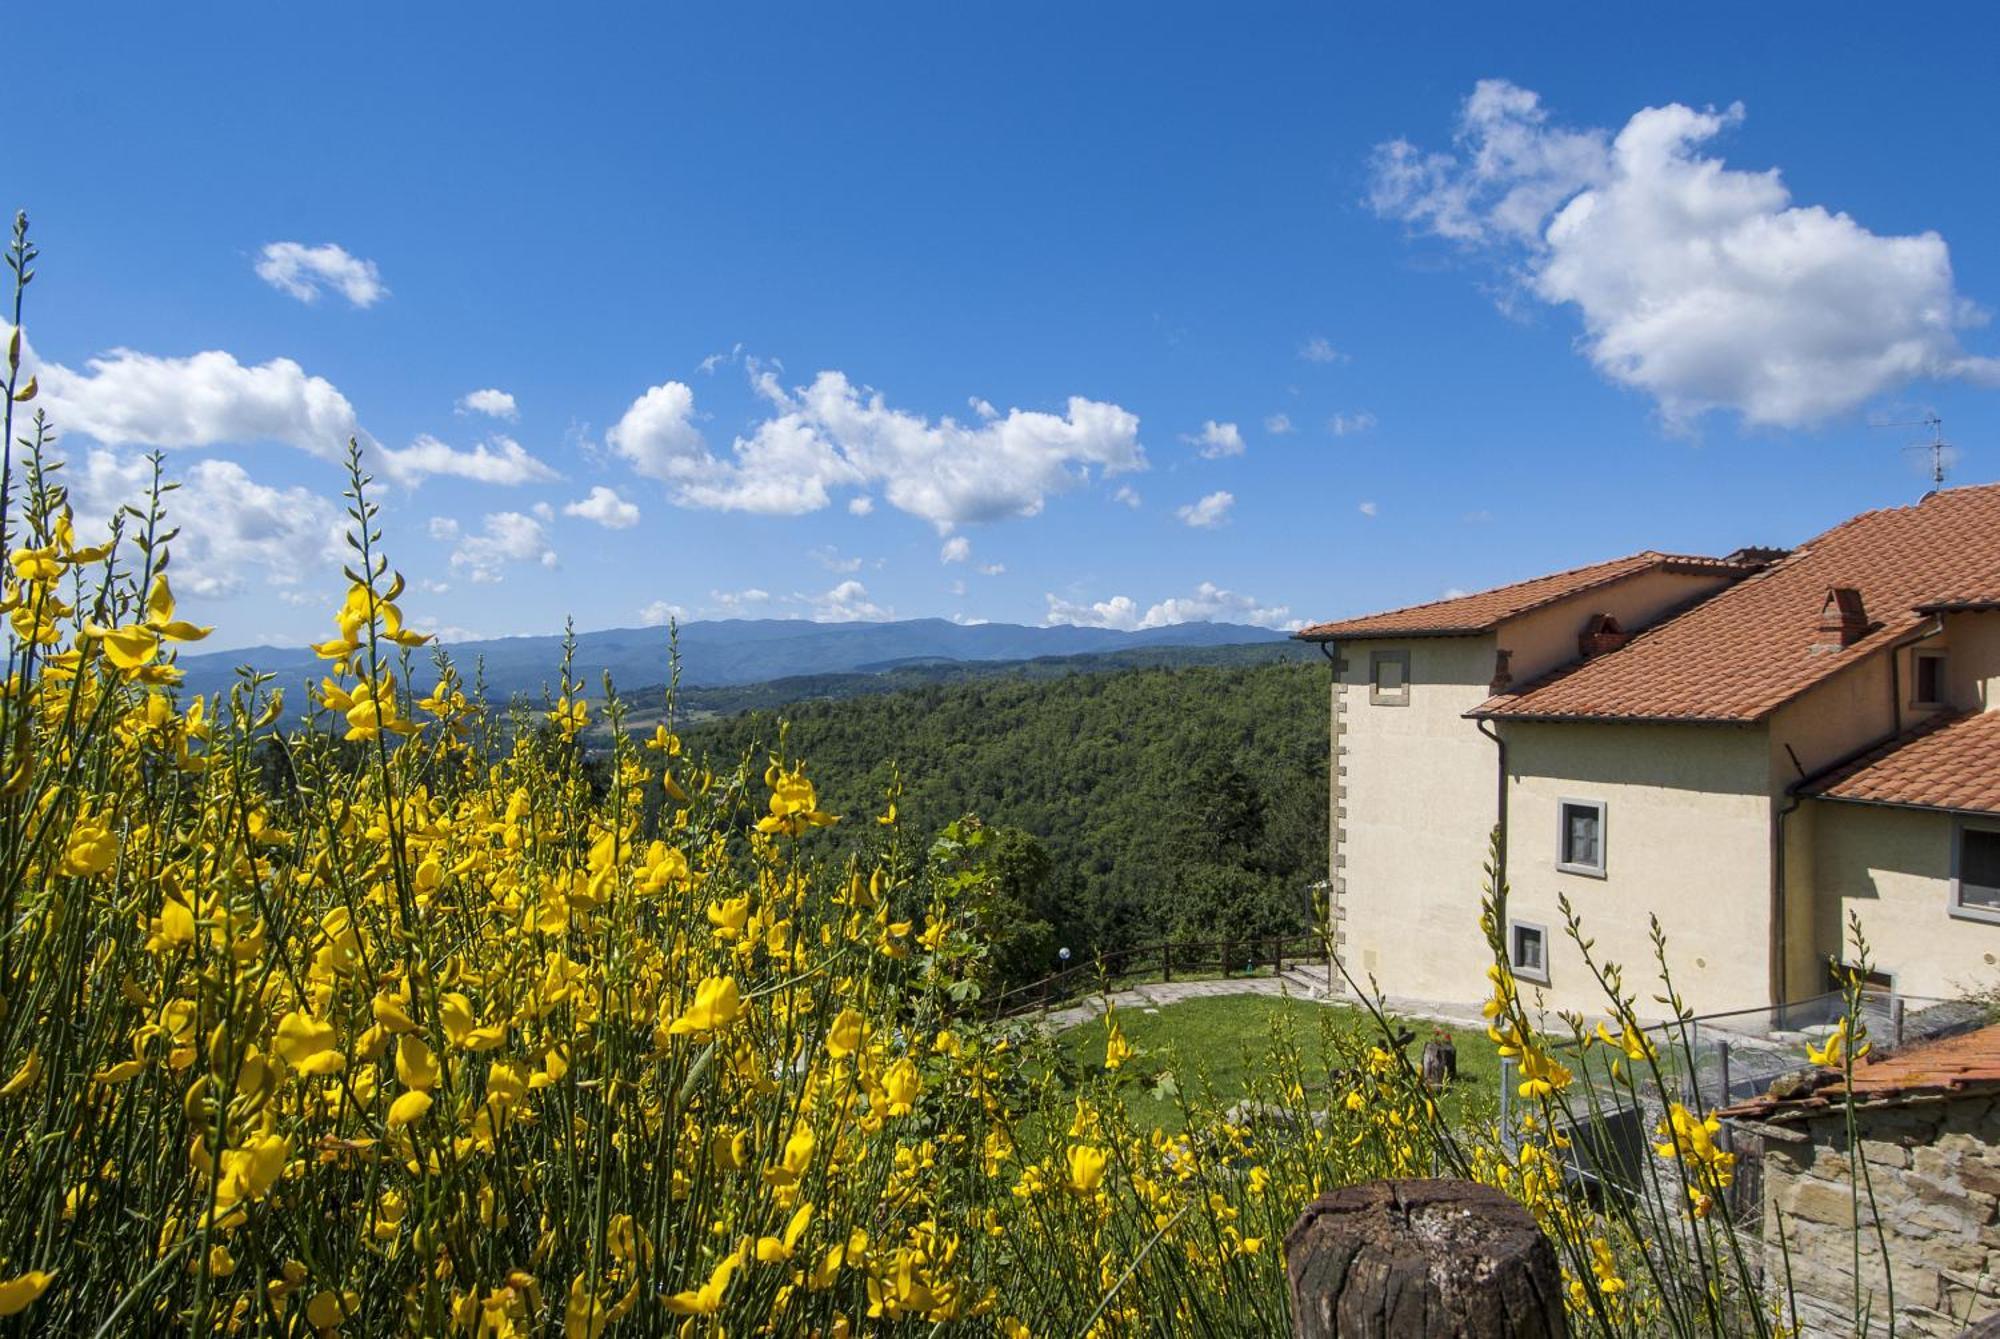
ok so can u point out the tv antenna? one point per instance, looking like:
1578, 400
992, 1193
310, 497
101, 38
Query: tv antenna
1940, 450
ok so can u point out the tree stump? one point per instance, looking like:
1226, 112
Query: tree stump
1440, 1061
1422, 1259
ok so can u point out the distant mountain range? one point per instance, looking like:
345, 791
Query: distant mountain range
727, 652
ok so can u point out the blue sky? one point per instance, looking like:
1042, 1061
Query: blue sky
737, 265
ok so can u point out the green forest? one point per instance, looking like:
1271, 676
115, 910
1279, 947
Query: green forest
1122, 807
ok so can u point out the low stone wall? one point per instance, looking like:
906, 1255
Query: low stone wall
1934, 1164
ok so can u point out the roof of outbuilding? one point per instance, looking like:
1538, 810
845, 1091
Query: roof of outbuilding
1948, 762
1466, 615
1948, 1066
1754, 646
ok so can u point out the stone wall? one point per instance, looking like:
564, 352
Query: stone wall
1934, 1166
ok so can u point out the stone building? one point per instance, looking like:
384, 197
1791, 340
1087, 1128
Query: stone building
1927, 1119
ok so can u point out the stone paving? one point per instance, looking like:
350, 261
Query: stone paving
1306, 983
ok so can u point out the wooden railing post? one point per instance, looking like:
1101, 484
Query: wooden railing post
1436, 1259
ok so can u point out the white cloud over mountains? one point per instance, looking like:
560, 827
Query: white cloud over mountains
504, 537
304, 272
1208, 604
831, 434
1701, 285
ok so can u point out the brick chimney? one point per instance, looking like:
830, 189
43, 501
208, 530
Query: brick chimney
1599, 635
1842, 620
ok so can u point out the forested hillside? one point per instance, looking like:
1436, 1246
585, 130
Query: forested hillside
1185, 802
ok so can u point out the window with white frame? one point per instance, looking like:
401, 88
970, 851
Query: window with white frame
1580, 837
1975, 870
1389, 678
1528, 951
1927, 688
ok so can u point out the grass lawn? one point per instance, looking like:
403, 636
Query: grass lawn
1222, 1041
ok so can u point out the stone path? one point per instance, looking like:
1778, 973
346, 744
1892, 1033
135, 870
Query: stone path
1306, 983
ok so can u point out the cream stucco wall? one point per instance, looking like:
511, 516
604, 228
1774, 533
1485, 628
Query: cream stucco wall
1418, 800
1973, 669
1892, 869
1686, 838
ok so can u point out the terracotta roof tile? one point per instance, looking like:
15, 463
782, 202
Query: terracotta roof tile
1949, 762
1468, 614
1747, 650
1953, 1064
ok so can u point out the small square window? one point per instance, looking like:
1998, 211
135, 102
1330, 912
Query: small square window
1927, 679
1389, 678
1580, 837
1975, 873
1528, 951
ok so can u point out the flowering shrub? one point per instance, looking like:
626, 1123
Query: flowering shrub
365, 1011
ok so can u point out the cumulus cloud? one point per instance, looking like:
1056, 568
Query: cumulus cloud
846, 603
1216, 440
505, 462
1278, 424
306, 271
1127, 495
1319, 350
1208, 513
231, 526
831, 434
1702, 285
490, 402
126, 398
860, 506
992, 569
606, 508
955, 550
660, 613
1369, 509
1209, 603
504, 537
1346, 425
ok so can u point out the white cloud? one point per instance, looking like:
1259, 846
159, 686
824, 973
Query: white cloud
1702, 285
860, 506
126, 398
846, 603
958, 587
606, 508
443, 528
1318, 350
957, 549
231, 526
735, 601
1127, 495
830, 558
304, 271
1346, 425
490, 402
992, 569
505, 463
1216, 440
1208, 604
983, 407
505, 536
660, 613
1278, 424
831, 434
1369, 509
1208, 513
